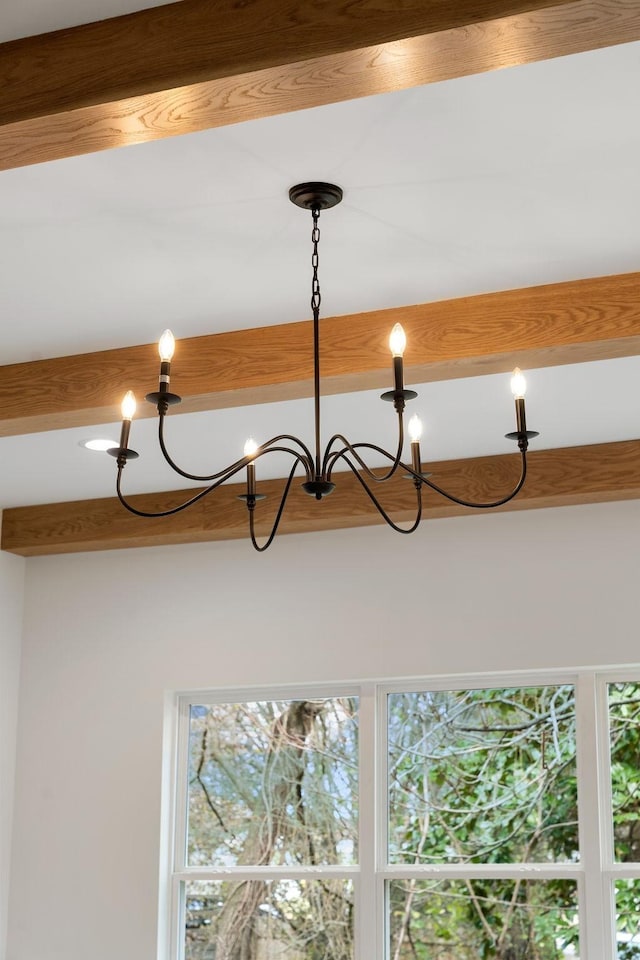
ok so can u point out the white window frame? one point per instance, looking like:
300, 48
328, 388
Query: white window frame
595, 874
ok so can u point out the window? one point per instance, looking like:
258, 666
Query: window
448, 820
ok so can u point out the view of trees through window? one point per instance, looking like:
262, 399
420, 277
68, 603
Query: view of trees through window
482, 859
270, 784
292, 919
483, 776
473, 919
624, 722
624, 712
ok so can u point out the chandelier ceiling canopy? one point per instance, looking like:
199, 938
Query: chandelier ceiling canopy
316, 464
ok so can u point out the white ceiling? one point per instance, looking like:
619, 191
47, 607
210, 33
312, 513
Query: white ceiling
508, 179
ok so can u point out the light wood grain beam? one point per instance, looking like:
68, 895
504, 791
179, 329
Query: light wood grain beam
577, 475
533, 327
195, 64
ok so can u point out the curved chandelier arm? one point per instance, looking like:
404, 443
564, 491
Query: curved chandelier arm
264, 449
469, 503
262, 547
227, 472
213, 486
160, 513
352, 448
383, 513
201, 478
330, 458
306, 460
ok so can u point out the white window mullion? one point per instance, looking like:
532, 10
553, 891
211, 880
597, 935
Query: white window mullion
624, 871
497, 871
596, 917
382, 823
175, 772
179, 915
262, 874
182, 787
606, 817
604, 756
366, 932
179, 852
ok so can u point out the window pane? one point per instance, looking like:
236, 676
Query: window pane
628, 919
273, 782
624, 720
277, 920
478, 919
483, 776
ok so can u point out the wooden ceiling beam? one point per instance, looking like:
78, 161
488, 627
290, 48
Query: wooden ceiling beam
576, 475
193, 65
534, 327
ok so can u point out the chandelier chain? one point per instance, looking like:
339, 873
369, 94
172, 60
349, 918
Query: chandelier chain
315, 283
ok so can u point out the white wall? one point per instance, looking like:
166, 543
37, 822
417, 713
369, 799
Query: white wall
106, 635
11, 602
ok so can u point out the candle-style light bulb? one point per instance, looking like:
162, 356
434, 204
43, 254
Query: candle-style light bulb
166, 346
250, 447
128, 406
518, 384
163, 397
397, 340
518, 389
397, 343
415, 432
415, 428
127, 409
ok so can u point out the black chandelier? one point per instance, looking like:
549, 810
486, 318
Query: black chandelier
319, 466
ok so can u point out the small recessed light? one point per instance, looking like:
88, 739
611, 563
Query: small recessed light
98, 444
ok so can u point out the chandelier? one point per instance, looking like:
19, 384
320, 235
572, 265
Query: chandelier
320, 465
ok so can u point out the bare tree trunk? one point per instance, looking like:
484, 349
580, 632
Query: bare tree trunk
281, 797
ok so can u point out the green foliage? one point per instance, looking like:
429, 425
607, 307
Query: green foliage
474, 920
624, 713
485, 776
